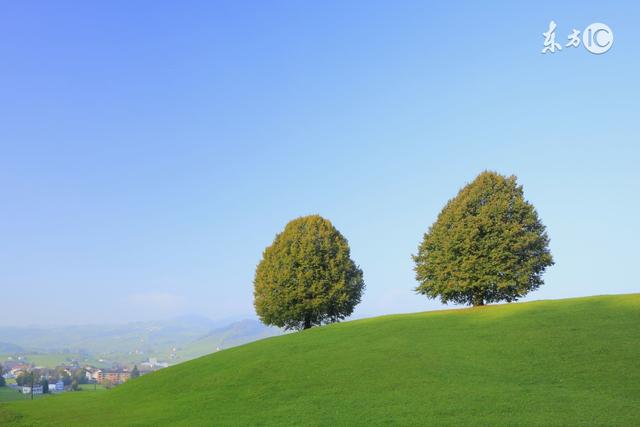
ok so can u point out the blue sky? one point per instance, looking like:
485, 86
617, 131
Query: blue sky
150, 152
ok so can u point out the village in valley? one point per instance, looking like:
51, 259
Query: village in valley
36, 361
23, 376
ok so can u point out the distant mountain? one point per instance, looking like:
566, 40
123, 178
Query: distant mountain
101, 338
237, 333
172, 340
9, 348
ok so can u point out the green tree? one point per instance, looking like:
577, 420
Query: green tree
487, 245
3, 382
81, 376
306, 277
25, 378
135, 373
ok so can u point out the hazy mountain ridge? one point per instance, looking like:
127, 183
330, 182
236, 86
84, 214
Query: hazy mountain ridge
172, 340
232, 335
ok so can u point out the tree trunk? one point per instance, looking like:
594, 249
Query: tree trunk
477, 300
307, 322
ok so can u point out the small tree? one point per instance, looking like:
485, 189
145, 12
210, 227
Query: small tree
306, 277
135, 373
45, 385
25, 378
3, 382
65, 377
487, 245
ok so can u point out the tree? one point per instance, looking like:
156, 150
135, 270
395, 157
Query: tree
64, 376
81, 376
25, 378
487, 245
3, 382
306, 277
135, 373
45, 385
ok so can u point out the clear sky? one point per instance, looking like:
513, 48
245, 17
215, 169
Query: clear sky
149, 152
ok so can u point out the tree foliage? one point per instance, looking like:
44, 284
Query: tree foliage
135, 373
306, 277
487, 245
81, 376
25, 378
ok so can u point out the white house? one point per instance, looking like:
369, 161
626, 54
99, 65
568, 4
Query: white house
37, 389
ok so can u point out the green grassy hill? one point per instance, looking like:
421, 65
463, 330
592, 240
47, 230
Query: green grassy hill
566, 362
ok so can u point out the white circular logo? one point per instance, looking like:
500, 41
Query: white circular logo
597, 38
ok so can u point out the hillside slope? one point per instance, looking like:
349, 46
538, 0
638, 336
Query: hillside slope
562, 362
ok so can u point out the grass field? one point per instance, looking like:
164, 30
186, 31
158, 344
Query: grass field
93, 387
51, 360
566, 362
7, 394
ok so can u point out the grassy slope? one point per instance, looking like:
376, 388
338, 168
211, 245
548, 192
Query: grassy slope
7, 394
550, 363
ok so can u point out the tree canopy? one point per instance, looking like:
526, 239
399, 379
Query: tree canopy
307, 277
487, 245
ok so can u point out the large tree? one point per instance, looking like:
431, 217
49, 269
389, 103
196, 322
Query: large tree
487, 245
306, 277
